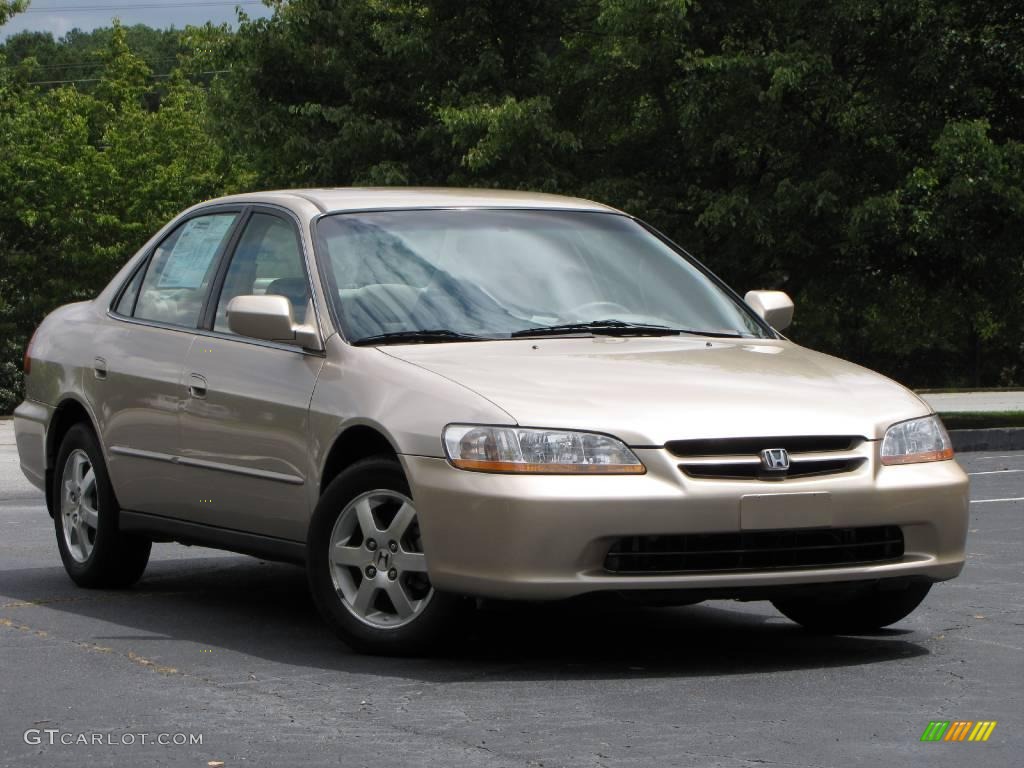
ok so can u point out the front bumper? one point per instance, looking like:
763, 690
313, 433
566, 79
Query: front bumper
546, 536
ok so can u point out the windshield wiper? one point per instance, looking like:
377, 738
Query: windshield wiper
418, 337
714, 334
608, 327
619, 328
599, 327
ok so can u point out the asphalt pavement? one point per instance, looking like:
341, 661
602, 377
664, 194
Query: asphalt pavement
229, 650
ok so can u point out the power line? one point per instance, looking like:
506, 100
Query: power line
94, 64
141, 6
97, 79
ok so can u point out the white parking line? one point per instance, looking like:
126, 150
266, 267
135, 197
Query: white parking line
996, 472
1002, 456
989, 501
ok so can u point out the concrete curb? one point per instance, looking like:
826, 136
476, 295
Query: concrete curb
1005, 439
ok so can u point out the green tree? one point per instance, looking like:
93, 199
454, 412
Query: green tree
85, 179
375, 92
960, 234
76, 58
10, 7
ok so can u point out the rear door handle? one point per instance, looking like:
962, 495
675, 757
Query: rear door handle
99, 368
196, 385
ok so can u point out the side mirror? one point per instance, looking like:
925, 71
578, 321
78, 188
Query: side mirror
774, 307
270, 318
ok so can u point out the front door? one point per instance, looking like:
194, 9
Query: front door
245, 425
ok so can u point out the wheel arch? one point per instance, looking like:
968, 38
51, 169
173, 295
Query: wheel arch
352, 444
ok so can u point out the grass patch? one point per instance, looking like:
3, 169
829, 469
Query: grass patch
983, 419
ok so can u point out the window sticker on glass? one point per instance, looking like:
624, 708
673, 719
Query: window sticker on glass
194, 251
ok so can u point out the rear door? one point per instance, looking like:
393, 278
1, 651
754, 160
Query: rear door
136, 382
245, 423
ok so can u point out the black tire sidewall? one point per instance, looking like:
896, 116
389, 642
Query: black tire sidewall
417, 637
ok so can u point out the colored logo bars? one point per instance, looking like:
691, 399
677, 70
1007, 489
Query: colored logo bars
958, 730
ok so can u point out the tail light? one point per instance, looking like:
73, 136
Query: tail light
26, 364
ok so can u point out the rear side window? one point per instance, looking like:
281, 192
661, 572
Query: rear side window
181, 270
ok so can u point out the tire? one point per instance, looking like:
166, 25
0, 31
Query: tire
857, 612
366, 566
96, 554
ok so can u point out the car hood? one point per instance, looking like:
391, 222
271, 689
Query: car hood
648, 391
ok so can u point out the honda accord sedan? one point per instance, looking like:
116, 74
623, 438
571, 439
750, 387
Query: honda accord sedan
428, 396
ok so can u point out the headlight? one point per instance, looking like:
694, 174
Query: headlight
538, 451
916, 441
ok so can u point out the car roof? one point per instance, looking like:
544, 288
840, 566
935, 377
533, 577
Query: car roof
377, 198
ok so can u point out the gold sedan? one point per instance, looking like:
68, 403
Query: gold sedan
430, 395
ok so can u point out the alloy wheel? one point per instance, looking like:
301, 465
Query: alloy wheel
377, 562
79, 505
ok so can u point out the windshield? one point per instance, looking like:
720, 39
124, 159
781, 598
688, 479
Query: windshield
445, 275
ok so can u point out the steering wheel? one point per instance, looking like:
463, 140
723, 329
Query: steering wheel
594, 305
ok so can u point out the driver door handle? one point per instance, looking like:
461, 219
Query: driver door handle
196, 385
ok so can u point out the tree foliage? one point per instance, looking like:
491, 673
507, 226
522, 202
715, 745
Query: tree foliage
85, 179
10, 7
863, 155
76, 58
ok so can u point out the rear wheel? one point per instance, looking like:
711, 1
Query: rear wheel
94, 551
849, 613
367, 566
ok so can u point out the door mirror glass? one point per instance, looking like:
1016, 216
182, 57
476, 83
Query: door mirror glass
774, 307
269, 318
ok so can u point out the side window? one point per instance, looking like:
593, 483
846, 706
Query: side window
268, 260
127, 300
181, 269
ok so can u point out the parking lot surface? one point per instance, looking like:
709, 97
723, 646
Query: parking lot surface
230, 648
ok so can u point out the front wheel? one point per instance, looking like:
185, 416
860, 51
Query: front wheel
367, 567
863, 611
95, 552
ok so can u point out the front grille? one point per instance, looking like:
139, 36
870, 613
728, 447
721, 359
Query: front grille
733, 446
739, 458
754, 550
752, 470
